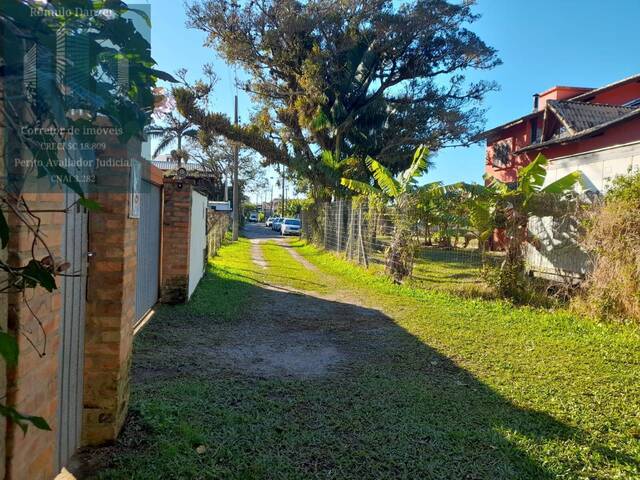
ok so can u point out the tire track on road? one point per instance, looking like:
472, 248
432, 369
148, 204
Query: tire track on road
256, 253
296, 256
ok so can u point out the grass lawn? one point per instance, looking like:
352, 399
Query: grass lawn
283, 271
384, 382
454, 270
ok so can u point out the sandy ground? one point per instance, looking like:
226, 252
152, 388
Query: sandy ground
284, 333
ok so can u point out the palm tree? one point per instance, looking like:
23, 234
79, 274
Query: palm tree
401, 192
173, 131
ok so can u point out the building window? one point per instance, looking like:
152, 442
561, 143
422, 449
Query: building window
501, 154
536, 133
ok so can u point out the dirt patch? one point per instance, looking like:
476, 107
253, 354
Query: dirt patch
88, 461
256, 254
282, 332
287, 354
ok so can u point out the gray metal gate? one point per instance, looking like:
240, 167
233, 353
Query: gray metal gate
71, 358
148, 256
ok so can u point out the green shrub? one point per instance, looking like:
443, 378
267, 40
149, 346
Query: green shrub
612, 290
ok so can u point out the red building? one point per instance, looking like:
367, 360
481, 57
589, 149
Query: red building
595, 130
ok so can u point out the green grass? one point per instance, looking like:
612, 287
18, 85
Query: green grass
228, 280
456, 388
585, 374
284, 270
451, 270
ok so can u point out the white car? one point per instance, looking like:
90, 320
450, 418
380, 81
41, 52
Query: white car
290, 226
268, 222
253, 217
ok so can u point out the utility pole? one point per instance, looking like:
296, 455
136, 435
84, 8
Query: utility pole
271, 209
282, 191
236, 189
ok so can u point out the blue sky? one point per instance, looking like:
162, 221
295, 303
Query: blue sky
542, 43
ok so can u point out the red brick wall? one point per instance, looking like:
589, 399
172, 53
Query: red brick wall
110, 307
32, 387
110, 313
176, 218
33, 384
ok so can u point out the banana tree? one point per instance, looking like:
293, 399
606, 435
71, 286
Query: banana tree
482, 215
429, 200
517, 203
335, 168
400, 191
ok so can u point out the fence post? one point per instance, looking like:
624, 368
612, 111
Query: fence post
359, 230
348, 249
352, 232
339, 226
326, 222
365, 260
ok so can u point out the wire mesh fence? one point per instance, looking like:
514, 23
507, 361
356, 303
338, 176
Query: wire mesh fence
447, 254
217, 226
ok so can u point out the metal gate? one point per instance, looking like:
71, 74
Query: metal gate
148, 257
73, 288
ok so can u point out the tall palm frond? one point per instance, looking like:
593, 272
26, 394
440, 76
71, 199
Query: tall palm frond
174, 131
191, 133
165, 140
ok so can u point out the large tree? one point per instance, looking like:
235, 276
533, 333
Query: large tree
352, 77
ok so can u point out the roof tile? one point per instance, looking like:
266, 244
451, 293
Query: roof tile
582, 116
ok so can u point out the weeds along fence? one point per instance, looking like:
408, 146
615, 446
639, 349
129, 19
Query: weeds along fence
217, 226
448, 253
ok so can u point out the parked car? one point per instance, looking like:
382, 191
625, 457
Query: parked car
290, 226
268, 222
275, 225
253, 217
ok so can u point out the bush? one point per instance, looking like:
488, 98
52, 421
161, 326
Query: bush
612, 290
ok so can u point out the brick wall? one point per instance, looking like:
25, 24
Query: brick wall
110, 313
175, 241
33, 384
110, 305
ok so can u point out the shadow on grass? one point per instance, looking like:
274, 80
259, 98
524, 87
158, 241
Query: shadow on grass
296, 386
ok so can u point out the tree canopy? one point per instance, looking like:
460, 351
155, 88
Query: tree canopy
352, 77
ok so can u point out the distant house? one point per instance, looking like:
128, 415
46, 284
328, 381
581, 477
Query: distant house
594, 130
205, 180
171, 167
220, 206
